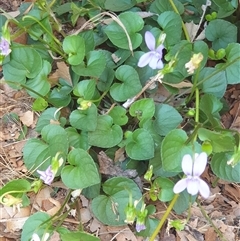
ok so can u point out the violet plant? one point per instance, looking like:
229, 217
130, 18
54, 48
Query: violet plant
109, 90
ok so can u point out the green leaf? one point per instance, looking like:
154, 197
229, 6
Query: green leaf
109, 208
221, 142
119, 6
159, 6
210, 105
106, 79
165, 187
221, 168
216, 84
221, 33
133, 23
82, 171
76, 139
85, 120
34, 224
39, 104
166, 119
37, 153
232, 64
85, 89
142, 109
78, 236
106, 134
118, 114
74, 46
89, 40
174, 148
40, 83
25, 63
171, 25
130, 85
141, 146
95, 65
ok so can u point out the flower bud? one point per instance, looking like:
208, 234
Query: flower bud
207, 147
220, 53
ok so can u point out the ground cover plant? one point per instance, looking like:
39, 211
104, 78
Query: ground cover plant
102, 131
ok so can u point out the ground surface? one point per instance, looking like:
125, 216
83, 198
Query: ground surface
17, 125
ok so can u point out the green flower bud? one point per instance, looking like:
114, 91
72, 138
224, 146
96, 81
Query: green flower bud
220, 53
208, 17
214, 15
211, 54
191, 112
127, 134
149, 173
207, 147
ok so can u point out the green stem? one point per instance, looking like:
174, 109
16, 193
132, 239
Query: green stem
183, 25
164, 218
211, 222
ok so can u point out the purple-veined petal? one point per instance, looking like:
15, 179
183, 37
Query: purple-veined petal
159, 64
204, 188
192, 186
145, 59
180, 185
140, 227
150, 40
187, 164
199, 164
159, 49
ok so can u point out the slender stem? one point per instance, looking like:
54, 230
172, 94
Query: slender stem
183, 25
197, 105
211, 222
164, 218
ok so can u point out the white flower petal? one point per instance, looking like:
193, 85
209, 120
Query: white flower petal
180, 186
199, 164
35, 237
159, 64
150, 40
160, 49
144, 59
187, 164
153, 62
204, 188
192, 186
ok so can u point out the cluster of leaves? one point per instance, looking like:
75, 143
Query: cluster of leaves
104, 74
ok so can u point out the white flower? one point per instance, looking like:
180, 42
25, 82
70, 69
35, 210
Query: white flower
193, 170
35, 237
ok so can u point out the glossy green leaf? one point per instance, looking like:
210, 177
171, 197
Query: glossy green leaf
34, 224
85, 89
221, 36
106, 134
173, 149
130, 85
221, 142
215, 85
141, 146
25, 63
224, 171
118, 115
74, 46
82, 171
40, 83
85, 120
109, 208
159, 6
170, 22
94, 67
142, 109
167, 118
38, 153
133, 23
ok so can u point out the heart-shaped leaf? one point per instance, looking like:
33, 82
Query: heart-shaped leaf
96, 63
38, 153
82, 171
133, 23
221, 169
106, 134
174, 148
130, 85
119, 116
166, 119
74, 46
109, 208
141, 146
85, 120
